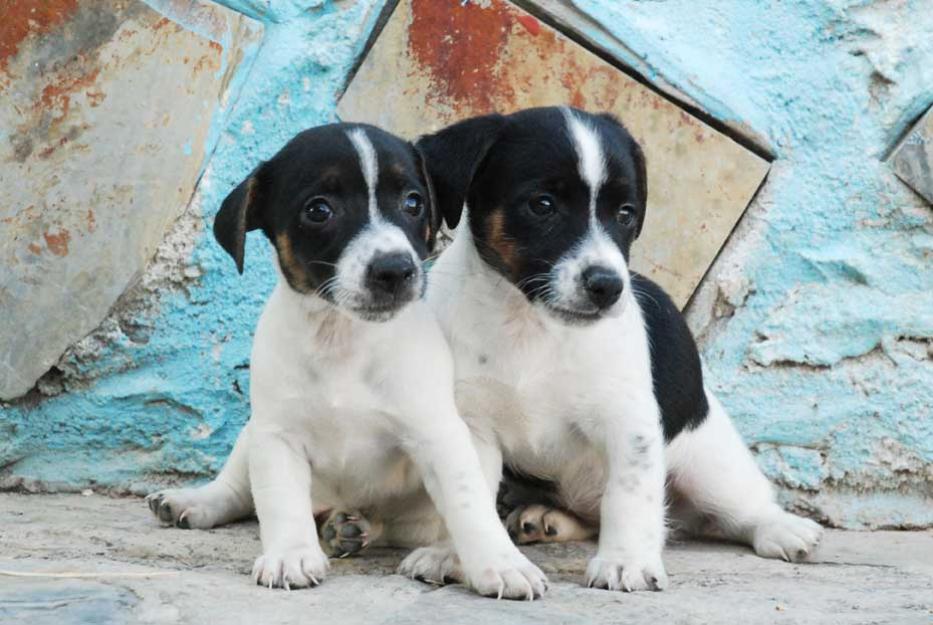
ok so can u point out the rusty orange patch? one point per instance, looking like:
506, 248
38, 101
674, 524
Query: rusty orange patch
58, 242
58, 96
532, 25
22, 18
460, 46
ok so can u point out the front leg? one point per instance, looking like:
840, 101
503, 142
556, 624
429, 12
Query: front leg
457, 483
280, 474
632, 527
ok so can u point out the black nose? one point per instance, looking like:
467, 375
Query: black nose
603, 286
388, 274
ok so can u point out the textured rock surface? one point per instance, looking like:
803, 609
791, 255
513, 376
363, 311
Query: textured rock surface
106, 110
815, 320
202, 577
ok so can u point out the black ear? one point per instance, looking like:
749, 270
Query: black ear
638, 157
434, 211
239, 213
642, 173
453, 156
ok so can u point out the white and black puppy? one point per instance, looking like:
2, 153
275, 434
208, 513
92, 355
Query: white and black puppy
582, 372
351, 380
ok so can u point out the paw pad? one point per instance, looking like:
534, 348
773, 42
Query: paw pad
344, 534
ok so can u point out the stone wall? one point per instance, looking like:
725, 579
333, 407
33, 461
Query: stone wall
816, 320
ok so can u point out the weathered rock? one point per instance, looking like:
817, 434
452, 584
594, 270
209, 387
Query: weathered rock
106, 109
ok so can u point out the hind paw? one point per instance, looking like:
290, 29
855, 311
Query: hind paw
787, 536
345, 534
537, 523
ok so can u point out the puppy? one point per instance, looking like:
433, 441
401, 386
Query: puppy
578, 369
351, 381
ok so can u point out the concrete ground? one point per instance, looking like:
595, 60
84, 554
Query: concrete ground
68, 559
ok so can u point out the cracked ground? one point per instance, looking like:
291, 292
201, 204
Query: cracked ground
93, 559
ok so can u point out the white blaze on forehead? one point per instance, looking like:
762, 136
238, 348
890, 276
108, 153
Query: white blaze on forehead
596, 248
590, 157
370, 166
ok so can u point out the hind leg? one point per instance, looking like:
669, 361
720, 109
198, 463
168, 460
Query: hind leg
223, 500
713, 470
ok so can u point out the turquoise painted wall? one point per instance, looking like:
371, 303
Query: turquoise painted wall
816, 322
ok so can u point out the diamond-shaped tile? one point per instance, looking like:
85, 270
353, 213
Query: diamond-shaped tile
913, 158
437, 62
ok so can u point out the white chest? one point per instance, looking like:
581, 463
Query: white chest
541, 388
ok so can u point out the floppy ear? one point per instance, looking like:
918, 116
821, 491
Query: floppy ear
642, 173
452, 157
434, 211
638, 157
239, 213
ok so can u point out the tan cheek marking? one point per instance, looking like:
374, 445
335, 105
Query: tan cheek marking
499, 241
294, 272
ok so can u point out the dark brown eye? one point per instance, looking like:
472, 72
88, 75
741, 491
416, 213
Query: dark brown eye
626, 216
316, 212
542, 205
413, 204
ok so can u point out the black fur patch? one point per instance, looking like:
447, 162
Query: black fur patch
675, 363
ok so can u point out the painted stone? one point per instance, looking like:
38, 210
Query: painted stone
913, 158
435, 63
105, 110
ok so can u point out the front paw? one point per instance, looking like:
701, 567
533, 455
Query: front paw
434, 565
509, 576
291, 568
626, 574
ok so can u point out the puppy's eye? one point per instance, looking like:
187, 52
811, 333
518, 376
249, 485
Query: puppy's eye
626, 215
413, 204
542, 205
316, 212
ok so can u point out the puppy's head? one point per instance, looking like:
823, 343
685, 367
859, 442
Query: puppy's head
555, 198
350, 211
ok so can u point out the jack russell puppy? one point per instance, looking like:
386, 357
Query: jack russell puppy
353, 419
578, 371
